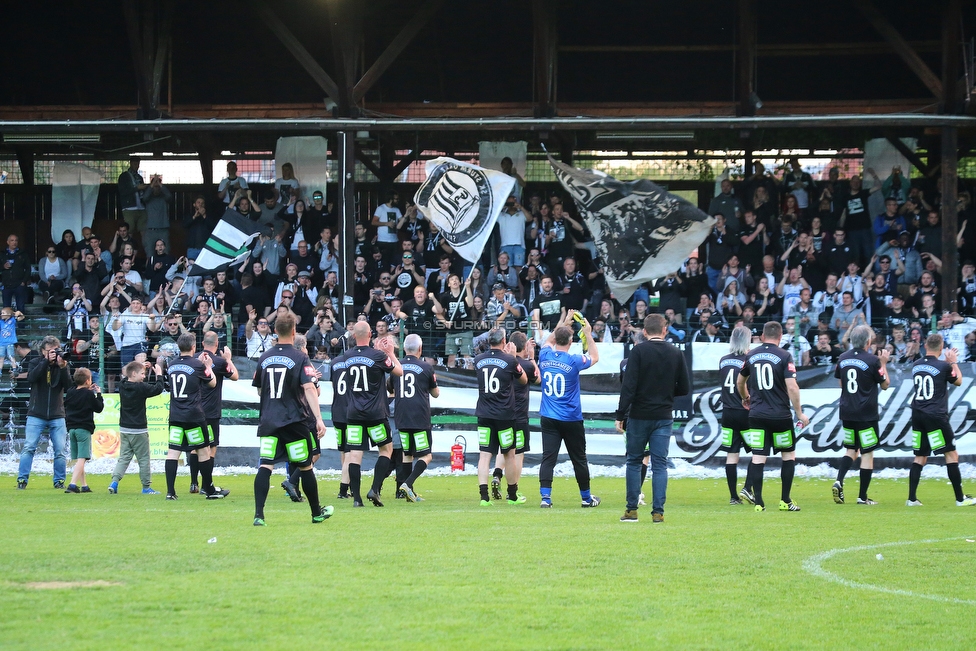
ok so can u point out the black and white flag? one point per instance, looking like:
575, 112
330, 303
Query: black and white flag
464, 201
228, 245
640, 230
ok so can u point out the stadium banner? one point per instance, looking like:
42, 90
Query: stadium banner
464, 201
107, 441
74, 193
228, 244
309, 157
641, 231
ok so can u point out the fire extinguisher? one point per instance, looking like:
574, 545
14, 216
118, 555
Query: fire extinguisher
457, 453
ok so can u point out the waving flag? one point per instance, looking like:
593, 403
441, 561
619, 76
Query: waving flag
640, 230
228, 245
463, 200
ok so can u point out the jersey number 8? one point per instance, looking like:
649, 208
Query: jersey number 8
554, 384
851, 380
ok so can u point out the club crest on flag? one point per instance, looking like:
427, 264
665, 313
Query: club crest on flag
463, 200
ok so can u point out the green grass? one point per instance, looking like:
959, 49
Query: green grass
448, 574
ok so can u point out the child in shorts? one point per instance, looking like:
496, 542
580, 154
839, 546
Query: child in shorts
133, 426
81, 403
8, 336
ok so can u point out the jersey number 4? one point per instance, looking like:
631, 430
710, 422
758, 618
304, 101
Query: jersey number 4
276, 386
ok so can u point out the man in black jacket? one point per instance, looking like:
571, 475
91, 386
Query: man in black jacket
49, 379
16, 274
655, 374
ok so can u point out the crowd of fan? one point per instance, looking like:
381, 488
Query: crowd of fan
811, 254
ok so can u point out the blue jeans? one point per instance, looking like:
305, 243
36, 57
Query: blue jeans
58, 433
714, 275
15, 296
516, 254
640, 434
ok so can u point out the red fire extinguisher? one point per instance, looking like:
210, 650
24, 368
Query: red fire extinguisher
457, 453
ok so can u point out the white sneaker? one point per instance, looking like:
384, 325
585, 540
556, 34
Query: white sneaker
967, 500
640, 500
912, 503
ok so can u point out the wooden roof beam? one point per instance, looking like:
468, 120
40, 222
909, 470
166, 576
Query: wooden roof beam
395, 48
296, 49
901, 46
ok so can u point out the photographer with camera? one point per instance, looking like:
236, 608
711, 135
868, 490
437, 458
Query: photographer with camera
48, 378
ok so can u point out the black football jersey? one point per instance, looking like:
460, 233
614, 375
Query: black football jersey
729, 368
339, 388
931, 395
366, 370
280, 376
859, 373
767, 368
497, 372
412, 391
522, 391
212, 398
185, 377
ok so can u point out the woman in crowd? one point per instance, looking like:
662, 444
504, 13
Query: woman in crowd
731, 300
69, 250
765, 300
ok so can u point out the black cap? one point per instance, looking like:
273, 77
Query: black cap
715, 320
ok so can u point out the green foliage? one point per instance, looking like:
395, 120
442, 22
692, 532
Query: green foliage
448, 574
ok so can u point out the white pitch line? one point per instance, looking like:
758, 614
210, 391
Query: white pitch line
814, 567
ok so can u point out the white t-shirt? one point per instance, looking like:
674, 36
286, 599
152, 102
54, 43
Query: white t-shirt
133, 277
285, 183
790, 296
258, 344
133, 327
955, 337
51, 268
231, 187
512, 228
391, 214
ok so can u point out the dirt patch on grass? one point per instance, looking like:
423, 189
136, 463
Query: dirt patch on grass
69, 585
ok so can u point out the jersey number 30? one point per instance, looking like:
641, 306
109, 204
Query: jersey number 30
554, 384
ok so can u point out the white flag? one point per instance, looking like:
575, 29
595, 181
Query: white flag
464, 201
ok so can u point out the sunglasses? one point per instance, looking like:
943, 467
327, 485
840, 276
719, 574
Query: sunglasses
287, 296
262, 323
50, 250
408, 257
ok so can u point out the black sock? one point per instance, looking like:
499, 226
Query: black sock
755, 480
262, 484
498, 473
952, 469
206, 476
403, 472
355, 480
194, 463
419, 467
380, 472
845, 464
513, 492
311, 488
171, 466
343, 489
914, 475
483, 488
395, 461
786, 474
731, 476
865, 482
643, 473
295, 476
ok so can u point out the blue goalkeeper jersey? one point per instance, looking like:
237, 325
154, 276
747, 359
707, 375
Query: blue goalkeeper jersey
560, 384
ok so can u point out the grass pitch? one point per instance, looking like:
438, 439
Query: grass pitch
129, 571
